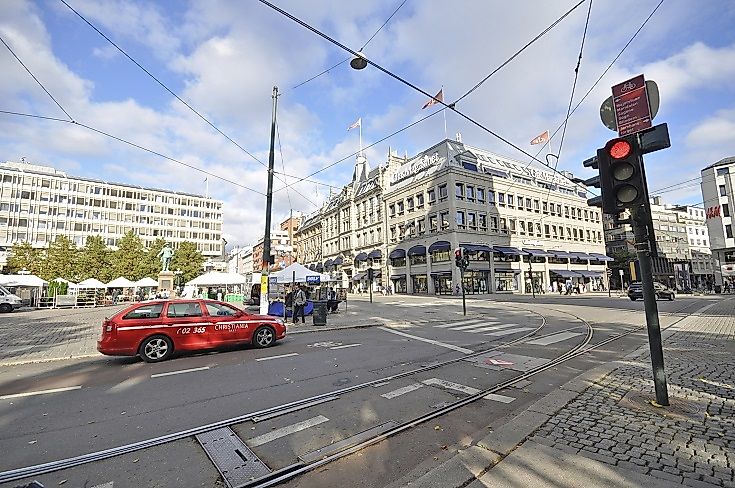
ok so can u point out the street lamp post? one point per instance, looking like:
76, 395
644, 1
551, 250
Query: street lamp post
178, 274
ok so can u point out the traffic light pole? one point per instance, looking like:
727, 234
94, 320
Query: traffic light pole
639, 219
461, 285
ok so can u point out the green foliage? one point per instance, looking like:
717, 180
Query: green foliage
127, 261
57, 288
94, 260
61, 260
189, 260
24, 256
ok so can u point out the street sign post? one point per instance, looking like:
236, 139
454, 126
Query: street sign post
632, 110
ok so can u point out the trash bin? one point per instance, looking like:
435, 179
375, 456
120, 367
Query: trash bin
319, 314
718, 289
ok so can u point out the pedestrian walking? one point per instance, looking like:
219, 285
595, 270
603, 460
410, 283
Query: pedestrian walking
299, 301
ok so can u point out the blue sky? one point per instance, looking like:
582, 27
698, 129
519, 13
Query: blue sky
224, 57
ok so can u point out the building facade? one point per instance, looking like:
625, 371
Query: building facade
39, 203
283, 252
308, 242
699, 253
524, 228
718, 184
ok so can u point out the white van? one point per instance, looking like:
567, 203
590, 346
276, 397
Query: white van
8, 301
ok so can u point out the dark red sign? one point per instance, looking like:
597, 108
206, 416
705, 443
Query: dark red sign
630, 101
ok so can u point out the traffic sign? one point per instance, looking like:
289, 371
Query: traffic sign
607, 112
632, 111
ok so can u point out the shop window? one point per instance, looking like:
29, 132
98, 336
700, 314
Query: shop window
398, 262
419, 259
440, 256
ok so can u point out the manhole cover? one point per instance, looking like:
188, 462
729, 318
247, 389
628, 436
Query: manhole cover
678, 409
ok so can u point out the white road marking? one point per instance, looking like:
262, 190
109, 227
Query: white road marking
430, 341
158, 375
345, 346
474, 326
276, 357
508, 332
461, 322
402, 391
562, 336
499, 398
493, 327
126, 384
284, 431
109, 484
39, 392
467, 389
382, 383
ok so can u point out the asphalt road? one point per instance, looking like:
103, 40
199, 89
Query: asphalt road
108, 402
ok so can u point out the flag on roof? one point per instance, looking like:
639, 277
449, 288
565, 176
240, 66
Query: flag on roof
358, 123
439, 97
541, 139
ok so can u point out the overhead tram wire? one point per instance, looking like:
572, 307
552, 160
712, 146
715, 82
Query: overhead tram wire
363, 47
165, 87
539, 36
283, 165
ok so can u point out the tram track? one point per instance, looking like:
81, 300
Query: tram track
293, 470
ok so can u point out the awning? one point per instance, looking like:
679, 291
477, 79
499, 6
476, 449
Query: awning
476, 247
565, 273
328, 263
513, 251
361, 257
376, 254
358, 276
601, 257
580, 255
538, 253
560, 254
507, 270
417, 251
590, 274
338, 260
398, 277
442, 273
397, 253
440, 246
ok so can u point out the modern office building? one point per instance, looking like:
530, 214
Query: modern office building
39, 203
718, 184
525, 228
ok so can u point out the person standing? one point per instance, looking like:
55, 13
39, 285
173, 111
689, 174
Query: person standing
299, 303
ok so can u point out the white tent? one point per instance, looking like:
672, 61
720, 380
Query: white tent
89, 283
62, 280
146, 283
120, 282
217, 278
301, 272
30, 281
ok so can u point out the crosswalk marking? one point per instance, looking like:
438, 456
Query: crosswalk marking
401, 391
461, 322
552, 339
429, 341
493, 327
288, 430
508, 332
467, 389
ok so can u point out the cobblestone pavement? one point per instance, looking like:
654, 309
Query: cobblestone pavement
692, 442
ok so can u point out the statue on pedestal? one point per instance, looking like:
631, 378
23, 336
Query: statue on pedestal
166, 254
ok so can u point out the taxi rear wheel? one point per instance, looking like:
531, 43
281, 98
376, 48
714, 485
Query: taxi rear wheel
156, 348
264, 337
6, 307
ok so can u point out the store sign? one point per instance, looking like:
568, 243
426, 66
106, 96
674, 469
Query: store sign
313, 280
416, 166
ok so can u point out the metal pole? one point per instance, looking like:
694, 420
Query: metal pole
370, 285
639, 218
530, 276
268, 207
461, 285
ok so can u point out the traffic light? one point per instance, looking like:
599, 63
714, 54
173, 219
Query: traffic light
624, 179
599, 163
458, 258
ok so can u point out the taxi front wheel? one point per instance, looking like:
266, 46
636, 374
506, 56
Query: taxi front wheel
264, 337
156, 348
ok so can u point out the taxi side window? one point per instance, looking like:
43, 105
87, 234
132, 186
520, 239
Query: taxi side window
216, 309
152, 311
190, 309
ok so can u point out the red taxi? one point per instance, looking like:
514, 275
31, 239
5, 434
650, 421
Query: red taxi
155, 329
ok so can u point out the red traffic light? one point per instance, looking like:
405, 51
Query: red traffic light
620, 149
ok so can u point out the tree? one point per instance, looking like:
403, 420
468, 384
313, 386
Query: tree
94, 260
151, 264
24, 256
61, 260
127, 260
189, 260
622, 258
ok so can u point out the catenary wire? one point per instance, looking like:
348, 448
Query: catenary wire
71, 119
363, 47
283, 165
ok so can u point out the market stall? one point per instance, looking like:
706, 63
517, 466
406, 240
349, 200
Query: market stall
26, 286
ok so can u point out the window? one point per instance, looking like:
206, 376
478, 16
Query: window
220, 310
722, 171
480, 195
421, 226
522, 227
440, 256
420, 200
536, 206
419, 259
723, 192
725, 210
184, 309
395, 262
152, 311
470, 193
392, 209
528, 204
728, 231
472, 221
545, 207
442, 192
459, 191
494, 224
400, 208
510, 200
491, 197
432, 195
501, 199
460, 219
503, 226
409, 204
432, 223
520, 202
444, 220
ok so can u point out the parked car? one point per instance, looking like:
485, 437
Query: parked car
635, 291
8, 301
155, 329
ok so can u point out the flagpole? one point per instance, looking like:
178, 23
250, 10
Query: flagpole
360, 125
206, 194
444, 112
